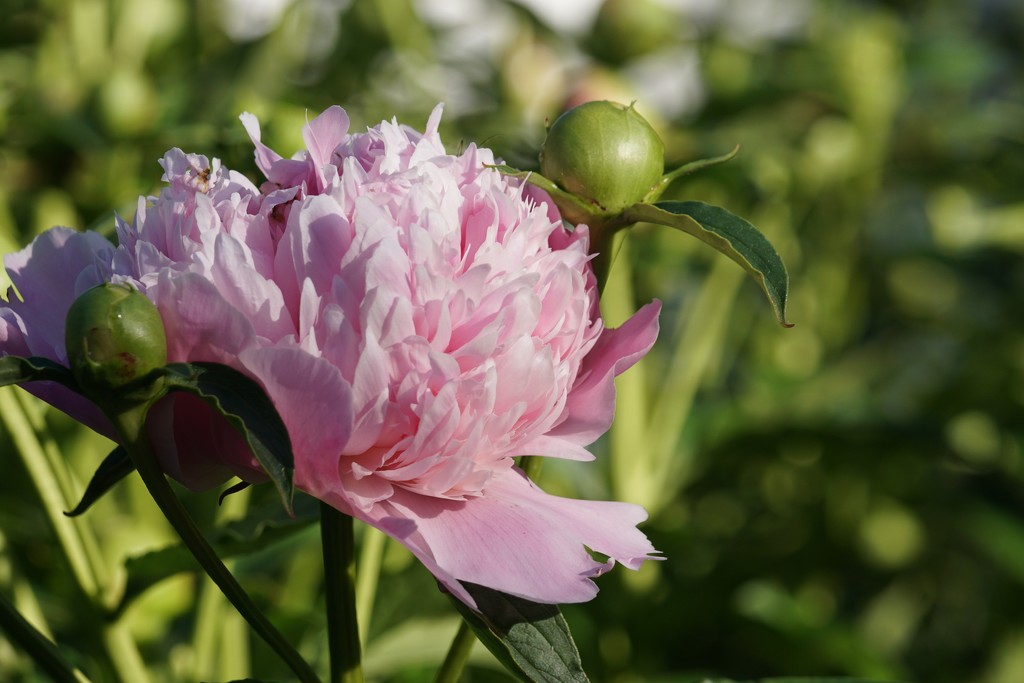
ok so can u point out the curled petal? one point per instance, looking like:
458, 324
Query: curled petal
518, 539
196, 445
591, 403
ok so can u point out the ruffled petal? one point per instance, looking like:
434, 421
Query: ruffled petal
518, 539
200, 324
591, 402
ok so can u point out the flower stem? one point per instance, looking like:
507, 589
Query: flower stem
370, 557
458, 653
42, 651
336, 534
217, 654
129, 420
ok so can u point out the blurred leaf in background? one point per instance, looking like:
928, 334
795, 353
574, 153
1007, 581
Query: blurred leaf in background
842, 498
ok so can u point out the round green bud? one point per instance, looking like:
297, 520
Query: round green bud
114, 335
604, 152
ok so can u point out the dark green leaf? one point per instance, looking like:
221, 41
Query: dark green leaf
113, 469
242, 537
16, 370
246, 406
531, 640
729, 234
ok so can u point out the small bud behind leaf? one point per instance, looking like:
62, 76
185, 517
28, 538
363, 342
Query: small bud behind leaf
114, 335
604, 152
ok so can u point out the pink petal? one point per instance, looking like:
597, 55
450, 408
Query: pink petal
322, 135
315, 404
49, 275
196, 446
591, 402
200, 324
265, 157
518, 539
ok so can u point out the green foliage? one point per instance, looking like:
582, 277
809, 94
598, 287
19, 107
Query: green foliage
729, 234
837, 499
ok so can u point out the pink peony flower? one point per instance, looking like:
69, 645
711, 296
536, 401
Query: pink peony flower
418, 320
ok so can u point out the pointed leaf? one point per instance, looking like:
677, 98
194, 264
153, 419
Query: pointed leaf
729, 234
531, 640
230, 491
257, 531
687, 169
246, 406
15, 370
113, 469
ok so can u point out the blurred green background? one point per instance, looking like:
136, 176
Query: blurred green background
841, 498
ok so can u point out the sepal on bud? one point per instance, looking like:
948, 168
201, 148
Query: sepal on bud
114, 335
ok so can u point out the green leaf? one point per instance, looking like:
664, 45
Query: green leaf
729, 234
246, 406
255, 532
687, 169
113, 469
531, 640
16, 370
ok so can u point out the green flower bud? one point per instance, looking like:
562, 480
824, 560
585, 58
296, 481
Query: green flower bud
604, 152
114, 335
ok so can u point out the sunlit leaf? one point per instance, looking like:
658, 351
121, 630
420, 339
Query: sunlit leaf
729, 234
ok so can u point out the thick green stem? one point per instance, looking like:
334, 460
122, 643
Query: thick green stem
128, 421
458, 654
336, 533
